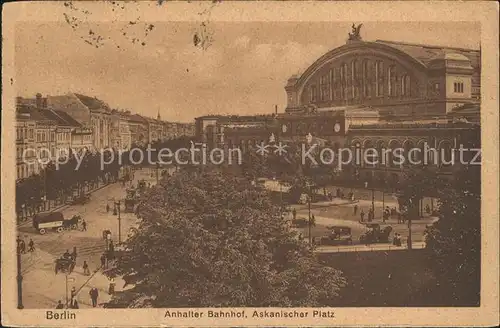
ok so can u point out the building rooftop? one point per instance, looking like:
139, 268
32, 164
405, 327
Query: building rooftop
426, 53
92, 103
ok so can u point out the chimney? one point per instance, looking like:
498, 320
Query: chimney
38, 100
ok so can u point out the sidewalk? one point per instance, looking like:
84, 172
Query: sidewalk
367, 248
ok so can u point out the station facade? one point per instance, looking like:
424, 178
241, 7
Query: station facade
370, 94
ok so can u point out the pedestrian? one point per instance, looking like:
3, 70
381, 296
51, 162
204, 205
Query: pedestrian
84, 225
31, 246
74, 304
111, 289
399, 217
107, 208
294, 213
22, 246
103, 261
355, 209
94, 294
362, 215
73, 292
59, 305
86, 270
73, 254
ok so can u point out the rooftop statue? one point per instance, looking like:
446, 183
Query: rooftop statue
355, 35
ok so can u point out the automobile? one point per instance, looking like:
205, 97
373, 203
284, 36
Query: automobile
375, 234
80, 200
339, 235
55, 221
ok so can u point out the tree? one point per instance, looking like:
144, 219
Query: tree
217, 240
454, 241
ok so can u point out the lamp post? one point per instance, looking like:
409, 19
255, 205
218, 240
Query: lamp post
410, 212
19, 277
115, 212
309, 206
373, 199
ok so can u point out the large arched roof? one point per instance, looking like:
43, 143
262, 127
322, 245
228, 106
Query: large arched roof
376, 47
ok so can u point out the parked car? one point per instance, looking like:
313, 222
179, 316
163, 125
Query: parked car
375, 235
339, 235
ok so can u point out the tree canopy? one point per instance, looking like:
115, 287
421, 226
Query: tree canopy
455, 240
213, 239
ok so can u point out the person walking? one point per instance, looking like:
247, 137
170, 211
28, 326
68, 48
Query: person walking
112, 284
84, 225
31, 246
74, 304
94, 294
362, 215
22, 246
73, 254
59, 305
103, 261
294, 213
355, 209
107, 208
86, 270
73, 292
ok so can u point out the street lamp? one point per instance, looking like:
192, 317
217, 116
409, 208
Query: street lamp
373, 199
309, 205
116, 211
19, 277
410, 212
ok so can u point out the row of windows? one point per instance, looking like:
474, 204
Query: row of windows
63, 136
349, 82
458, 87
42, 136
24, 171
24, 133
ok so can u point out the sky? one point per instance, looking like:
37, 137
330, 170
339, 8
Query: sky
242, 71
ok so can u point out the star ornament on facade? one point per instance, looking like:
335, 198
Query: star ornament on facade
262, 149
280, 149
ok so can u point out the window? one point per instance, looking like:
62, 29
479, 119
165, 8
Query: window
458, 87
31, 133
343, 81
313, 93
323, 88
379, 78
354, 75
405, 85
365, 82
391, 81
331, 82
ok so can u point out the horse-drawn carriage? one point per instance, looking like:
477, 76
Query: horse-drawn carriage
65, 264
375, 234
56, 221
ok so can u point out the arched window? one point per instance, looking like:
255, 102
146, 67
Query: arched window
379, 78
332, 84
354, 82
391, 81
365, 80
343, 81
405, 85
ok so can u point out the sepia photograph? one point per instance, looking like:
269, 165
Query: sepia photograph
212, 169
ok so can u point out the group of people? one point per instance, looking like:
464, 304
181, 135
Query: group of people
21, 246
371, 214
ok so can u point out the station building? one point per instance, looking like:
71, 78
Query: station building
370, 94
